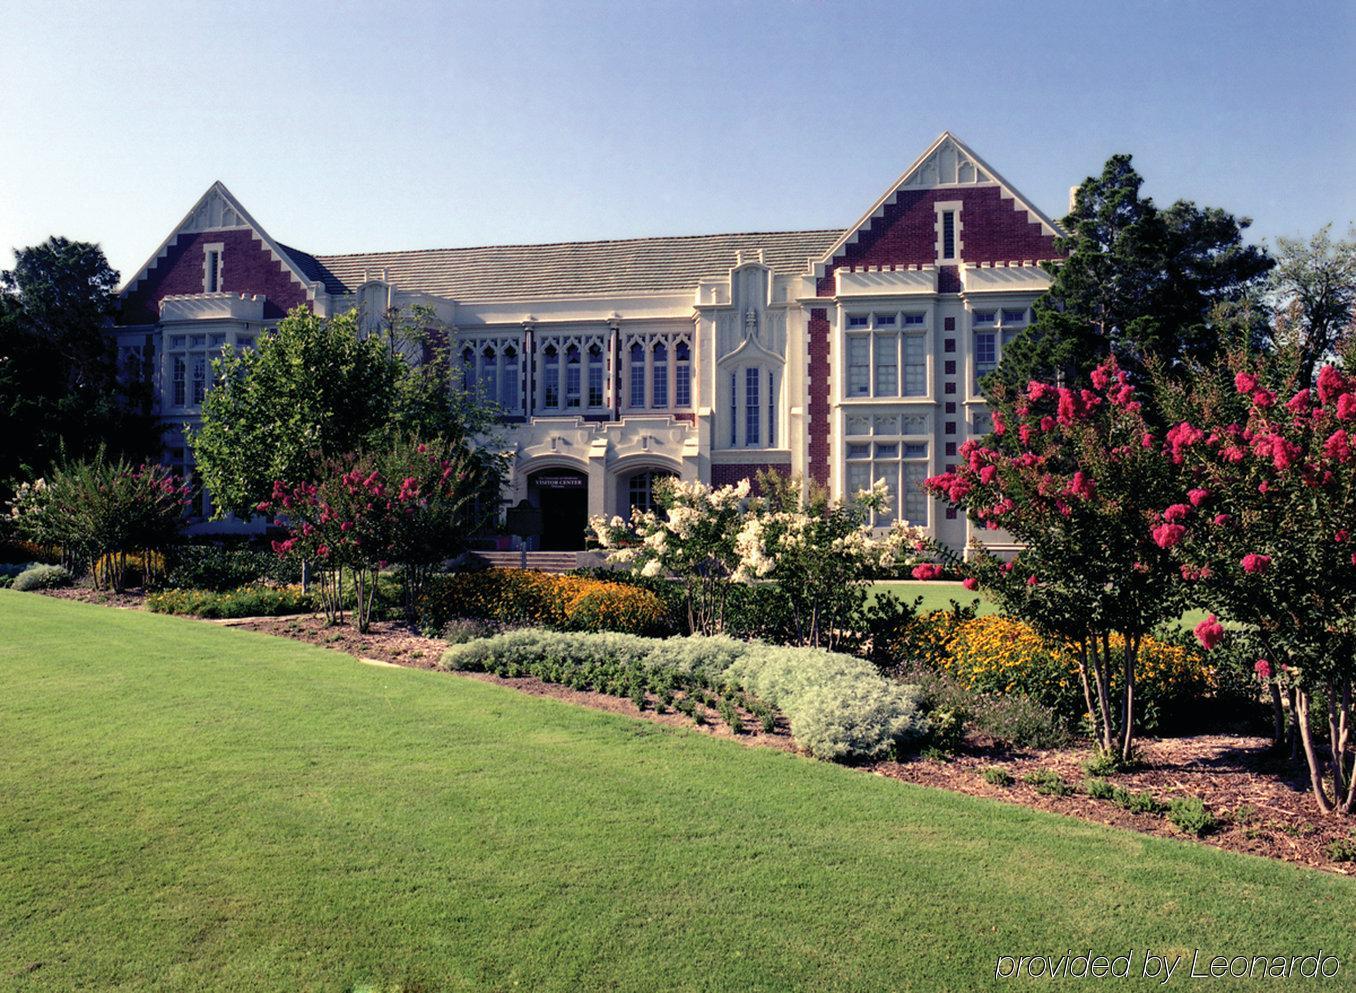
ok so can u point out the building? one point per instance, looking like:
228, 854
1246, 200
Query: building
842, 356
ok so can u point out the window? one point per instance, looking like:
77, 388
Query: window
637, 375
751, 432
948, 234
551, 378
572, 376
898, 461
682, 375
211, 267
999, 327
771, 409
859, 366
468, 369
488, 381
595, 375
659, 392
887, 365
189, 360
508, 379
882, 361
986, 355
658, 368
734, 410
640, 489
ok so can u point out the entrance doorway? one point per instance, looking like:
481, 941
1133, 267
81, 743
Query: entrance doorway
562, 495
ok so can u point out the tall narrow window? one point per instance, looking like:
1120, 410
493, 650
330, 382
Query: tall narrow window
488, 379
751, 432
948, 234
734, 409
595, 375
572, 376
213, 274
199, 377
659, 387
771, 409
551, 378
859, 366
508, 381
986, 356
915, 366
637, 375
682, 375
468, 369
887, 365
180, 381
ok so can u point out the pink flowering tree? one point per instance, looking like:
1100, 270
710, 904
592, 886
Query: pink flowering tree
412, 505
1264, 531
1075, 477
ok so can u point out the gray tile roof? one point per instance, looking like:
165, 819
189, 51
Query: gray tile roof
578, 268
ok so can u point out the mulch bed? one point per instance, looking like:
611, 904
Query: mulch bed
132, 599
1263, 805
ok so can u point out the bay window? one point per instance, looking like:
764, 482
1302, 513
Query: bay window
900, 462
886, 355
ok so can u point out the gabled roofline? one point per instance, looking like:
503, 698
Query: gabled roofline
219, 188
893, 191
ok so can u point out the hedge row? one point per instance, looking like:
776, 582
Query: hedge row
247, 601
541, 599
838, 706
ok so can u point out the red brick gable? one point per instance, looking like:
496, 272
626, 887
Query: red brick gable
248, 266
993, 228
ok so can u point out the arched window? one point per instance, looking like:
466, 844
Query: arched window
640, 488
508, 382
468, 369
551, 378
488, 378
682, 375
659, 393
637, 375
595, 375
572, 376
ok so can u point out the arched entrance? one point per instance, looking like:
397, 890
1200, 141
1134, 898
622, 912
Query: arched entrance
562, 495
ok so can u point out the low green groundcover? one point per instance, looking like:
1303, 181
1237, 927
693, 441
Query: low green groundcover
191, 808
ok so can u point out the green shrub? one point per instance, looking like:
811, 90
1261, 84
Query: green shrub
1011, 721
464, 629
1342, 849
838, 706
995, 776
1099, 789
1191, 816
42, 577
1136, 803
1047, 782
210, 567
1102, 764
247, 601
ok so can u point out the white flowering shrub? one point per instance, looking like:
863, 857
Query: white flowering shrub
691, 537
821, 555
838, 706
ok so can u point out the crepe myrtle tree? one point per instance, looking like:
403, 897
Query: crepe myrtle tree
1075, 476
1264, 531
411, 504
819, 553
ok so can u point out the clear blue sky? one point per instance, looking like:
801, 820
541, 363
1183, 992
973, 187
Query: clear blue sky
366, 126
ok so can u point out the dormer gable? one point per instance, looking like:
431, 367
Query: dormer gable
217, 248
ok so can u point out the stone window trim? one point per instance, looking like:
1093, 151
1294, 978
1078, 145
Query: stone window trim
664, 379
943, 208
213, 266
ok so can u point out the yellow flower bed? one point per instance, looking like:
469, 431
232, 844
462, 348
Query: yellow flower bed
998, 655
541, 599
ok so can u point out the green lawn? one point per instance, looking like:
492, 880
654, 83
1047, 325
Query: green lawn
187, 807
938, 596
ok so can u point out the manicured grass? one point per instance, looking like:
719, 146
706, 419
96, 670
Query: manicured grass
936, 595
188, 807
